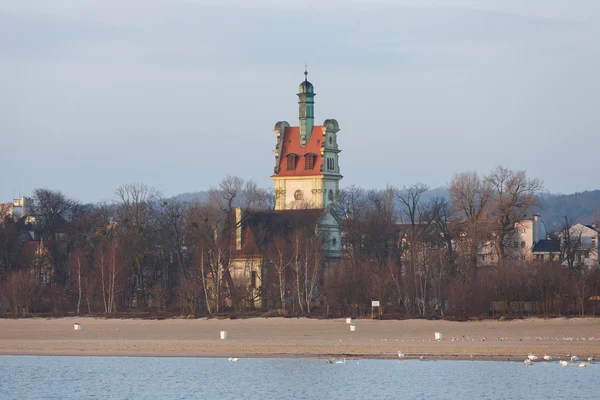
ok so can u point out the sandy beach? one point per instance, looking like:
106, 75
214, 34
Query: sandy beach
291, 337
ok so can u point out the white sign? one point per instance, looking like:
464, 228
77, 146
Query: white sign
375, 303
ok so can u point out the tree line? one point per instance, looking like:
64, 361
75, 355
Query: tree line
448, 257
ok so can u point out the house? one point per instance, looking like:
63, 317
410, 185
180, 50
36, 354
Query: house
547, 249
579, 245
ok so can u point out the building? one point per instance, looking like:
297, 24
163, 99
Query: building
529, 232
307, 171
306, 185
580, 245
547, 250
17, 209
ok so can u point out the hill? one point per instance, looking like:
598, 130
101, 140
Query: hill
581, 206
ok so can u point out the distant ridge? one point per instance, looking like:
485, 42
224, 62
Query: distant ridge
192, 197
581, 207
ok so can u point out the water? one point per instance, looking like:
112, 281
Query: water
28, 377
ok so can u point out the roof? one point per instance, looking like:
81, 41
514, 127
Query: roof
547, 246
291, 145
260, 227
592, 227
306, 88
280, 219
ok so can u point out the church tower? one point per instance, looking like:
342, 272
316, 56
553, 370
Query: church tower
307, 173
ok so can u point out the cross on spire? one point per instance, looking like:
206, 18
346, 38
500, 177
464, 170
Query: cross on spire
306, 72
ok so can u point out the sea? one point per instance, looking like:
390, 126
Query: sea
78, 377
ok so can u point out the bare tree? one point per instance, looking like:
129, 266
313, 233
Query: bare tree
52, 211
418, 267
440, 211
570, 244
278, 254
514, 195
470, 197
134, 209
20, 287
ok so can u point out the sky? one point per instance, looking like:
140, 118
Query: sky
177, 94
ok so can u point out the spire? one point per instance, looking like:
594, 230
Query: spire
305, 72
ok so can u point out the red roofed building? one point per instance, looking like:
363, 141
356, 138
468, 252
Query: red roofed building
307, 172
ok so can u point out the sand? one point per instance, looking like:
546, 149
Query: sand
291, 337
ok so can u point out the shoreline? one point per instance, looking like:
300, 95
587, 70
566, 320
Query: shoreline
354, 356
301, 338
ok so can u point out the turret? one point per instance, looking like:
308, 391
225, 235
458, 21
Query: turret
306, 102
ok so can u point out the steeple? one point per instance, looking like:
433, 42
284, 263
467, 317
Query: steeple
306, 101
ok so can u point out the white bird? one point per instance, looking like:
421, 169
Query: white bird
564, 363
582, 365
547, 357
341, 361
233, 359
591, 358
532, 357
400, 355
574, 358
528, 361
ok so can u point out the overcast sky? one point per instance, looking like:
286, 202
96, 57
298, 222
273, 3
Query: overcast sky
177, 94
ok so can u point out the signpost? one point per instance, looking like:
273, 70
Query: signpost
375, 303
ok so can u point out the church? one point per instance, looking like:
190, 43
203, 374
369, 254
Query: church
306, 180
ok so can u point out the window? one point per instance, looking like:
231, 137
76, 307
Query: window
253, 280
291, 162
586, 254
309, 161
523, 245
330, 140
334, 241
330, 195
330, 163
298, 194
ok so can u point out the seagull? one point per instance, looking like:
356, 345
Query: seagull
591, 358
528, 361
233, 359
422, 358
400, 355
341, 361
532, 357
574, 358
582, 365
547, 358
564, 363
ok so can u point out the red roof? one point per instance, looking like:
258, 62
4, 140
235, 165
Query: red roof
291, 145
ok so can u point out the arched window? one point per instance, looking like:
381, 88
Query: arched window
330, 195
291, 162
309, 161
298, 194
330, 164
